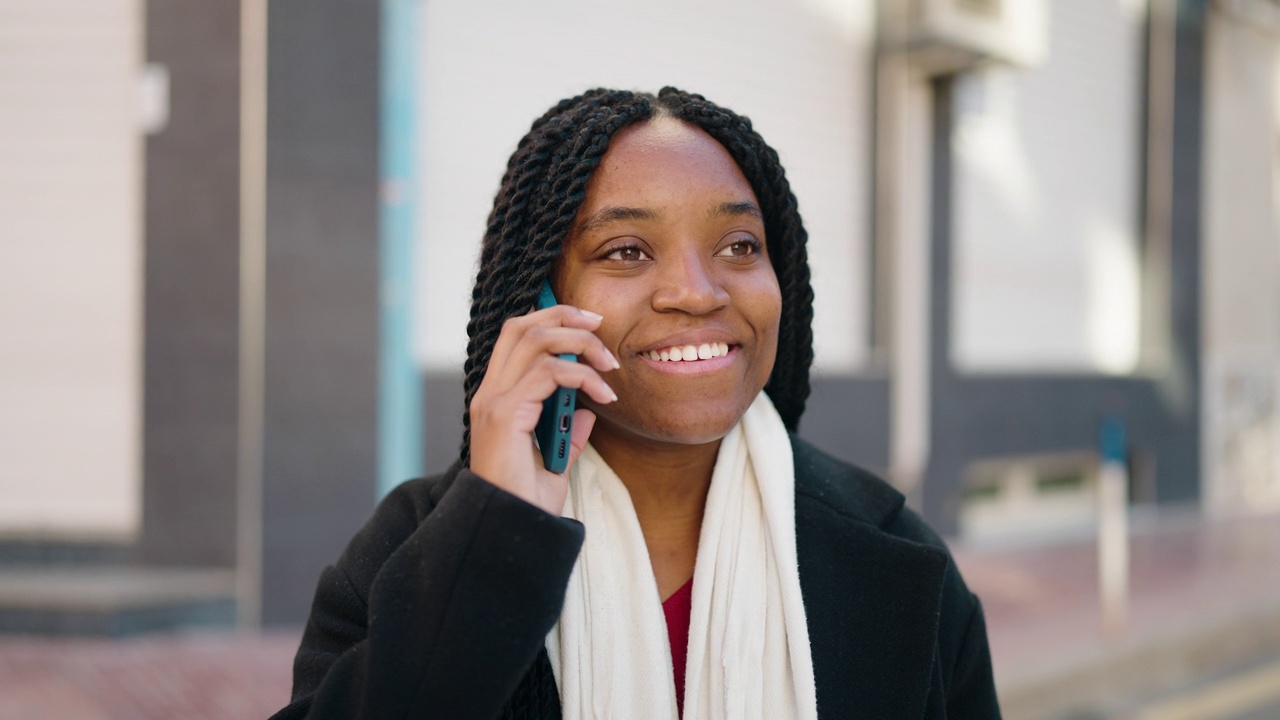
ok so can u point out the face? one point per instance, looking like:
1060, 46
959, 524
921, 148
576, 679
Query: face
669, 247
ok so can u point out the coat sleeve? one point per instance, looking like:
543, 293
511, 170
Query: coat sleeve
434, 614
962, 685
972, 693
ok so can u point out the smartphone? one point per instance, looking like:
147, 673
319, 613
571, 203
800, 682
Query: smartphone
555, 425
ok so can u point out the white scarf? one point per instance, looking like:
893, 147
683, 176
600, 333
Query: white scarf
748, 655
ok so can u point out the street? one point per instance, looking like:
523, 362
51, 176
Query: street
1250, 693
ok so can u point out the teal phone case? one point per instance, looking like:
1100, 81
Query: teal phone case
555, 425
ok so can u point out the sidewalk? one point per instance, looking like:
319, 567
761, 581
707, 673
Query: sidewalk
195, 677
1206, 595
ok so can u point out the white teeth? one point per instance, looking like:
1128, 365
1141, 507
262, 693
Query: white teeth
687, 353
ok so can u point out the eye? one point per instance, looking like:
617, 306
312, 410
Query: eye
742, 248
627, 253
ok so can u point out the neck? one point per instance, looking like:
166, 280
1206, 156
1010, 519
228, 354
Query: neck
665, 480
668, 485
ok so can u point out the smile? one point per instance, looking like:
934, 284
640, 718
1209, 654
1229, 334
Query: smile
688, 353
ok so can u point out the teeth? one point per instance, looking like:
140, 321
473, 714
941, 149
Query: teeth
688, 353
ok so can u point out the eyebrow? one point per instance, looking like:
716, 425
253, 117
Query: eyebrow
607, 215
737, 209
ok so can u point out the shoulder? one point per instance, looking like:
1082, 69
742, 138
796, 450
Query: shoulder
395, 518
834, 496
873, 569
847, 489
828, 485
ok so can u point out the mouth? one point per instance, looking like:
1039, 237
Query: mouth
689, 353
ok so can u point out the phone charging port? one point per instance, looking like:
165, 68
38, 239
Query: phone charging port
564, 423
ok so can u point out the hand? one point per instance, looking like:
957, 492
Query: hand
523, 372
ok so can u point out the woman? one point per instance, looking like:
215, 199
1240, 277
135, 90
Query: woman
729, 569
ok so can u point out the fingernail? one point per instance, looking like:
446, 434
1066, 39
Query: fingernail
611, 392
591, 315
612, 357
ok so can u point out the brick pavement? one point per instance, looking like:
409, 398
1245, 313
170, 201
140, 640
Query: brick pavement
191, 676
1205, 594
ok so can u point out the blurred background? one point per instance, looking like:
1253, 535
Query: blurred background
237, 239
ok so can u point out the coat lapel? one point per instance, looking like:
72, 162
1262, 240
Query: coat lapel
872, 599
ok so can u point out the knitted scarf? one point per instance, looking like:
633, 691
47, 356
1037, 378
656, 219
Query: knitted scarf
748, 655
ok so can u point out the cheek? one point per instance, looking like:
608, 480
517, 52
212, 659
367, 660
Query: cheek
768, 301
765, 314
771, 337
569, 287
597, 299
564, 283
617, 306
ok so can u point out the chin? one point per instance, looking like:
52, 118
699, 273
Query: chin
693, 426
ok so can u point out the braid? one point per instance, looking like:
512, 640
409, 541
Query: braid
544, 185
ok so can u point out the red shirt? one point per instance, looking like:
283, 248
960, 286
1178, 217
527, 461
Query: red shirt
677, 608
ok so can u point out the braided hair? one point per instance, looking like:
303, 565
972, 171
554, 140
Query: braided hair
545, 184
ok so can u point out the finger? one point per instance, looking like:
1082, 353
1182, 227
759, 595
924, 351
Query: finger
570, 316
551, 372
583, 421
562, 341
514, 329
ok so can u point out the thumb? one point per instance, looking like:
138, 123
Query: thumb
583, 421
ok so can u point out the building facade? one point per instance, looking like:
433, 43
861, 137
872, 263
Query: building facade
236, 306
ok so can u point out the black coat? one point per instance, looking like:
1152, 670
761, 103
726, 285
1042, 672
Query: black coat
441, 604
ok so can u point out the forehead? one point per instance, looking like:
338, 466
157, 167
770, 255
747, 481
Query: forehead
663, 161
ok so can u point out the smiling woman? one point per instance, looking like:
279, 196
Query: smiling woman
671, 253
696, 559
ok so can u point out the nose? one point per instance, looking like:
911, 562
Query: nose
689, 283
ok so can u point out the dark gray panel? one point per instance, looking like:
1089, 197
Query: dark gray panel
197, 615
849, 418
443, 398
322, 292
1184, 246
191, 305
941, 484
20, 552
976, 418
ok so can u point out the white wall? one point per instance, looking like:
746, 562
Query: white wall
1241, 265
70, 267
800, 71
1047, 201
